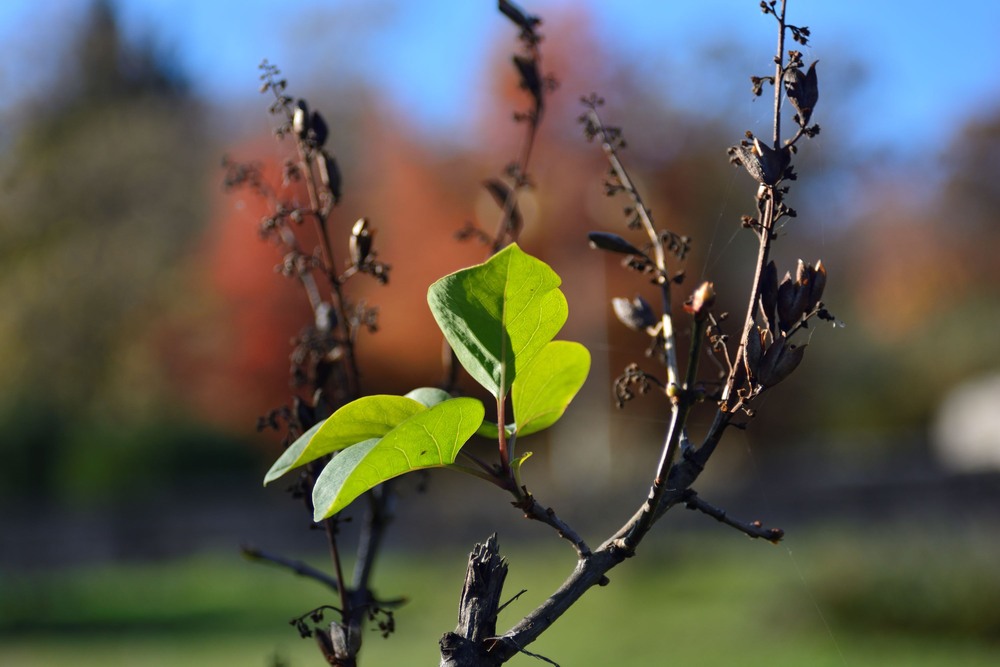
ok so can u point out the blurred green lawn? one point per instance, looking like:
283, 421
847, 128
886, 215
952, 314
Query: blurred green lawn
830, 598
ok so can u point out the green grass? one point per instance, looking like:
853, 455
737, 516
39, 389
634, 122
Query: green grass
704, 600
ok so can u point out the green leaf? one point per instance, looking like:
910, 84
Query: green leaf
515, 466
498, 315
367, 417
545, 388
428, 396
490, 430
429, 439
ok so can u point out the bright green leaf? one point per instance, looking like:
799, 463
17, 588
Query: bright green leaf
367, 417
429, 439
544, 389
498, 315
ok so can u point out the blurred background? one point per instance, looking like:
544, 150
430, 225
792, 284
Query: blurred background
143, 328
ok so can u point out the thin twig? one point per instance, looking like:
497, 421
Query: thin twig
642, 211
298, 567
753, 529
534, 510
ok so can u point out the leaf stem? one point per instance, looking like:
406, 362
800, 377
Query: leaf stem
502, 437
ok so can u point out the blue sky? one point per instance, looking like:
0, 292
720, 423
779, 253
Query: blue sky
929, 69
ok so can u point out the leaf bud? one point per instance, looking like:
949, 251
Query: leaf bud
701, 301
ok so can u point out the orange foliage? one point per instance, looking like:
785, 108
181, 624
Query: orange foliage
910, 271
233, 365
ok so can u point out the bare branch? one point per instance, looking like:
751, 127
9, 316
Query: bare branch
298, 567
753, 529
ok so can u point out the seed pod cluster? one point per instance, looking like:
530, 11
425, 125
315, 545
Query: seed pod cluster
799, 297
784, 304
769, 355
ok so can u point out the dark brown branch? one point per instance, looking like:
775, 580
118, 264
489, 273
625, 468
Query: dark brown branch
753, 529
534, 510
589, 572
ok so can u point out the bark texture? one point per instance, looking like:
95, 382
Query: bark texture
469, 645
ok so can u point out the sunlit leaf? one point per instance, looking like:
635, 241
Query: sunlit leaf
430, 439
498, 315
545, 388
367, 417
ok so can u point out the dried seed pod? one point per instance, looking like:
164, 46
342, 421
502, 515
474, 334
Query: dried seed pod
329, 174
793, 297
816, 287
742, 154
766, 165
753, 353
769, 294
611, 243
779, 361
517, 15
803, 91
300, 119
531, 79
802, 273
318, 130
361, 242
787, 316
803, 280
773, 162
636, 314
